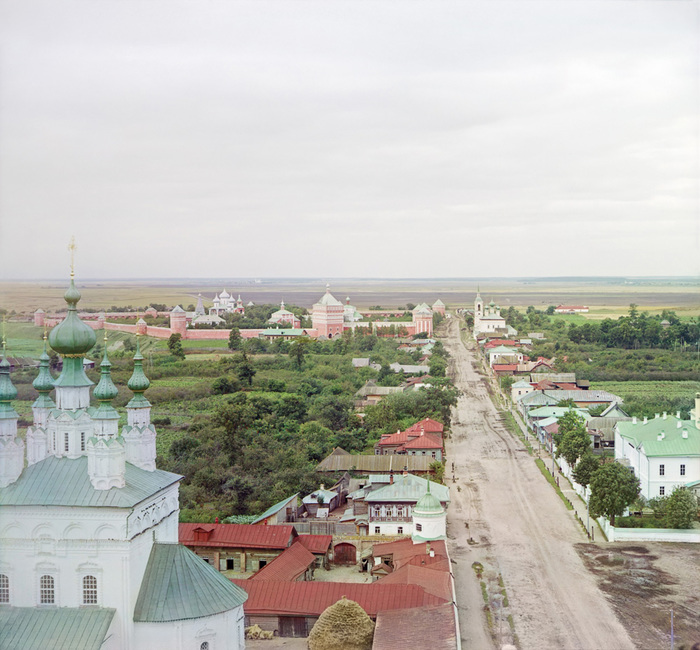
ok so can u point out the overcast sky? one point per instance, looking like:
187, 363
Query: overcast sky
349, 139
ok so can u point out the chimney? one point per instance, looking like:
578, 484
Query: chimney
685, 434
634, 420
679, 424
391, 478
645, 419
664, 415
678, 415
660, 436
656, 416
323, 487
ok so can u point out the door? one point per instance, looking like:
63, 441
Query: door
345, 554
294, 626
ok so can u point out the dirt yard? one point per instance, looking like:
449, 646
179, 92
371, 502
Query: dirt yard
539, 591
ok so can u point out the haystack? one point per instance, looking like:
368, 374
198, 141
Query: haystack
342, 626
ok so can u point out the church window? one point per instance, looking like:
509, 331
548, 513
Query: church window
682, 470
54, 441
46, 590
204, 646
89, 590
376, 530
65, 441
4, 589
82, 441
419, 527
399, 530
662, 491
662, 470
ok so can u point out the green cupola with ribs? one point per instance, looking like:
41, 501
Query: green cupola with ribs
138, 383
44, 383
72, 339
105, 391
8, 392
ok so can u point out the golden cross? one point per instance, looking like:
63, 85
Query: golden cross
71, 248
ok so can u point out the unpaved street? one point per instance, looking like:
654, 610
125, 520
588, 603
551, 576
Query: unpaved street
520, 530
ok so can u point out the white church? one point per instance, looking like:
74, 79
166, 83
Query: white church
89, 527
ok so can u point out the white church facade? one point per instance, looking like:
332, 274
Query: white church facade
89, 527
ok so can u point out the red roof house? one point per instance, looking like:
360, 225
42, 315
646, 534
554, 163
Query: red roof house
236, 547
294, 563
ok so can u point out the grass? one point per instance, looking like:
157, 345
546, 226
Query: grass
646, 389
512, 426
552, 481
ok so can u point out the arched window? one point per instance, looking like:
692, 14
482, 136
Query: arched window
4, 589
65, 442
89, 590
82, 441
46, 590
204, 645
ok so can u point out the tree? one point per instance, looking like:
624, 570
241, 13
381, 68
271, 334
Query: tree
234, 339
585, 468
245, 371
175, 346
613, 488
574, 440
297, 350
681, 508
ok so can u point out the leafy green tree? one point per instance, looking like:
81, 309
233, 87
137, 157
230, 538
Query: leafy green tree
681, 508
613, 488
297, 351
246, 372
175, 346
235, 340
574, 440
587, 465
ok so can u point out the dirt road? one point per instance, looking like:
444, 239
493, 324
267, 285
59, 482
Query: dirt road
505, 517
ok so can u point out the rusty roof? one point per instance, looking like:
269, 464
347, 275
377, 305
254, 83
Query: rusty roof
426, 441
404, 550
315, 543
427, 424
434, 580
311, 598
407, 628
287, 566
237, 535
374, 464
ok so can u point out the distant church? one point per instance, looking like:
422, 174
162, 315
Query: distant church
89, 528
488, 320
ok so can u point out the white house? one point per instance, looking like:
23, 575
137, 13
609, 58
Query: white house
89, 529
664, 452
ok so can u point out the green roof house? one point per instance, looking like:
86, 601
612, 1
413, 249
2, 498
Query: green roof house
664, 452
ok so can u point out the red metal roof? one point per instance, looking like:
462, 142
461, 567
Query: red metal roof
499, 342
404, 550
427, 424
504, 366
432, 626
287, 566
426, 441
315, 543
312, 598
435, 582
236, 535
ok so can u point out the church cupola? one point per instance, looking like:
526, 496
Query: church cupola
105, 416
72, 339
429, 519
105, 448
37, 437
11, 448
139, 434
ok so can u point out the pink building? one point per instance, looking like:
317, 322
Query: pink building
328, 315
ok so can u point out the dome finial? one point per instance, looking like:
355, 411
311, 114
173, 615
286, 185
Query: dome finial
105, 391
71, 248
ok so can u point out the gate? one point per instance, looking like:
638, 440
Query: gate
345, 553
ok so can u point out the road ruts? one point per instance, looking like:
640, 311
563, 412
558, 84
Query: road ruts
522, 529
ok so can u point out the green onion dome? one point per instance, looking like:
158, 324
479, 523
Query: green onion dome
428, 504
138, 382
105, 391
8, 392
71, 337
44, 381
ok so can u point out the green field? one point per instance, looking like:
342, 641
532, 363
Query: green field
648, 389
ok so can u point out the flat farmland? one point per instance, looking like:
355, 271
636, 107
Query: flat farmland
607, 297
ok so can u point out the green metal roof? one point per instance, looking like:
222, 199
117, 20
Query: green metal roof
673, 444
408, 487
428, 504
59, 628
274, 509
71, 336
282, 332
557, 412
65, 482
180, 585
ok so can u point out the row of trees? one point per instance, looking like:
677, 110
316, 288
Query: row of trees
638, 331
613, 487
